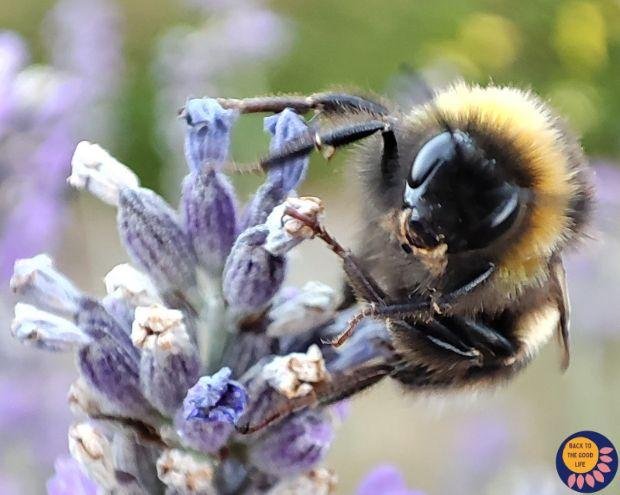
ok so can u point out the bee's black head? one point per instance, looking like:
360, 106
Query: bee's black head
457, 195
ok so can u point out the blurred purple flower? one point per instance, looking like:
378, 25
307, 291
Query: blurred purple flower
236, 37
69, 479
595, 269
385, 480
39, 121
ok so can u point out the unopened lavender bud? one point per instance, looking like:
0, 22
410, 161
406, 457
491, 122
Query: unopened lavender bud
210, 411
112, 375
209, 211
185, 474
155, 241
282, 179
110, 364
169, 364
252, 276
95, 170
36, 281
313, 306
285, 127
93, 451
294, 445
207, 137
285, 231
295, 374
316, 482
46, 331
96, 322
136, 461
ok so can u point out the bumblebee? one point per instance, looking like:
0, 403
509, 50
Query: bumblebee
470, 199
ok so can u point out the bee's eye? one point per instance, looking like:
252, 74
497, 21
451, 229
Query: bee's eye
444, 148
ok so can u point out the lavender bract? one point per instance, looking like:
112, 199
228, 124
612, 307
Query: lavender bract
160, 407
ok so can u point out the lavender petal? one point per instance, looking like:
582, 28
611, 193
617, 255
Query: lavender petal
210, 411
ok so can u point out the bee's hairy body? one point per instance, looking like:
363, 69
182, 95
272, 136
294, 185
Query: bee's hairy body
469, 202
524, 299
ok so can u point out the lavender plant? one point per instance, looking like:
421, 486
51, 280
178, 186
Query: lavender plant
197, 337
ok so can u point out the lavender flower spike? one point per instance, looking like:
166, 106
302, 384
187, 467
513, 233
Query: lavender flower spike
169, 364
207, 137
293, 446
45, 330
154, 239
36, 281
210, 411
95, 170
252, 276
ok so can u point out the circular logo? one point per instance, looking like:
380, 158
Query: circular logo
587, 462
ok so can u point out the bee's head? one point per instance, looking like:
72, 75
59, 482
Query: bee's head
458, 196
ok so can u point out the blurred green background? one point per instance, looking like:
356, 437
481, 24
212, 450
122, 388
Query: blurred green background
567, 51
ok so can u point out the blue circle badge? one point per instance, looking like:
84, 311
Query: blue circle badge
587, 462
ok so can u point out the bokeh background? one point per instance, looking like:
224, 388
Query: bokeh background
115, 71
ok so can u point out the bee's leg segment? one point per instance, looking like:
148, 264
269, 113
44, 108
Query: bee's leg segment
468, 287
327, 142
340, 386
490, 341
413, 309
329, 103
362, 283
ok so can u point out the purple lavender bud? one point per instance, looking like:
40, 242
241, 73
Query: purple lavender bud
252, 276
69, 478
169, 364
385, 480
210, 217
113, 376
210, 411
153, 238
36, 281
135, 461
293, 446
284, 127
111, 363
96, 322
281, 180
207, 137
45, 330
